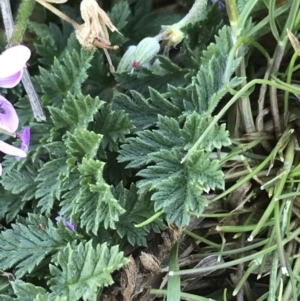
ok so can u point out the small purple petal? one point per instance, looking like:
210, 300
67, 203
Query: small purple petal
9, 120
11, 81
70, 225
25, 137
67, 223
11, 150
221, 4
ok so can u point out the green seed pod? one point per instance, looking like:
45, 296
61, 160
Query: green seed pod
145, 51
125, 64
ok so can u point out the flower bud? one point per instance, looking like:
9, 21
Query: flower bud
125, 64
145, 52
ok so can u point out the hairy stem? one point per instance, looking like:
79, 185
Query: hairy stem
24, 13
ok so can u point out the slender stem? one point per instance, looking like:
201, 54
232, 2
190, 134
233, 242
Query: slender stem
279, 51
58, 13
273, 276
279, 189
288, 195
231, 102
288, 162
197, 257
242, 228
225, 265
265, 257
174, 282
273, 21
288, 289
195, 13
202, 239
257, 169
250, 269
244, 102
288, 80
150, 219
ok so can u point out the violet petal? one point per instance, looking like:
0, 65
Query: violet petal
12, 63
9, 120
25, 137
221, 4
11, 150
13, 60
67, 223
70, 225
12, 80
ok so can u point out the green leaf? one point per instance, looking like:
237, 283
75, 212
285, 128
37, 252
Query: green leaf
119, 14
5, 277
145, 22
49, 185
137, 150
26, 291
114, 126
45, 47
177, 188
98, 82
82, 143
96, 204
65, 76
47, 297
174, 287
21, 182
76, 112
143, 112
82, 270
7, 298
27, 244
137, 210
10, 205
209, 80
70, 191
195, 127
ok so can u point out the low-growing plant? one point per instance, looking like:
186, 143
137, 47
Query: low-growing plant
163, 142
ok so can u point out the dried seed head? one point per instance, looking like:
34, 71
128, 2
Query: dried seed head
95, 26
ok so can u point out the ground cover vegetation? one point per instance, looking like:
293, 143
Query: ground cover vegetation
151, 151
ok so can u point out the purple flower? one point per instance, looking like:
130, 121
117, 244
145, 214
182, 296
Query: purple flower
9, 120
68, 223
12, 63
221, 4
25, 137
